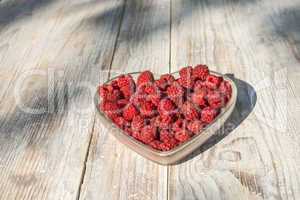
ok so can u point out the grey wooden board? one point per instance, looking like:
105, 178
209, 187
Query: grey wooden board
51, 55
54, 53
114, 171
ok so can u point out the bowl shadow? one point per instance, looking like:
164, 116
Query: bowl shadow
246, 100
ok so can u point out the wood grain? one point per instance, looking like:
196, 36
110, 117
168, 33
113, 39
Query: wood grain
52, 53
114, 171
259, 159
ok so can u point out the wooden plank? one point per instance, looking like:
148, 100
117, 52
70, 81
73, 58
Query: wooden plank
114, 171
51, 58
259, 159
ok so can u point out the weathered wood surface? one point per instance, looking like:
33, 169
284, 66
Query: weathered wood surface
54, 53
113, 171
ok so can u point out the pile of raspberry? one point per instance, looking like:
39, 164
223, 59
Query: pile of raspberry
167, 112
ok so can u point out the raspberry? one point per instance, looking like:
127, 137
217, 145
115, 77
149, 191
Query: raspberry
136, 134
165, 136
155, 144
185, 79
103, 91
127, 91
155, 99
198, 98
168, 77
137, 123
128, 131
166, 107
147, 109
111, 109
175, 91
164, 121
225, 89
148, 134
189, 111
114, 84
195, 126
215, 99
121, 122
122, 103
186, 82
129, 112
145, 77
186, 72
212, 81
200, 72
168, 145
182, 135
125, 81
179, 125
150, 89
199, 86
114, 95
208, 114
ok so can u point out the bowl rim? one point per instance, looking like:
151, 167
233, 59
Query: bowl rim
184, 145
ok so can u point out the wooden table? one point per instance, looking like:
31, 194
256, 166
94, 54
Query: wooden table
54, 53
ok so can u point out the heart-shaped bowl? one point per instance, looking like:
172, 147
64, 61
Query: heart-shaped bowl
181, 151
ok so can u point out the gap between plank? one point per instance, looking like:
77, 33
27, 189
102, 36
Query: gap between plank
92, 132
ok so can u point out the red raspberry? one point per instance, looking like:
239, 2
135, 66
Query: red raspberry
121, 122
114, 95
189, 111
145, 77
195, 126
182, 135
175, 91
122, 103
128, 131
166, 107
200, 72
215, 99
125, 81
164, 121
168, 145
114, 84
225, 89
198, 98
179, 125
148, 134
111, 109
137, 123
155, 99
199, 86
150, 89
186, 72
137, 99
147, 109
168, 77
136, 134
208, 115
103, 91
129, 112
127, 91
186, 82
155, 144
165, 136
185, 79
213, 82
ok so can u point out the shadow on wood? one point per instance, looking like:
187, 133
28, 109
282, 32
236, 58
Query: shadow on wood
246, 101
